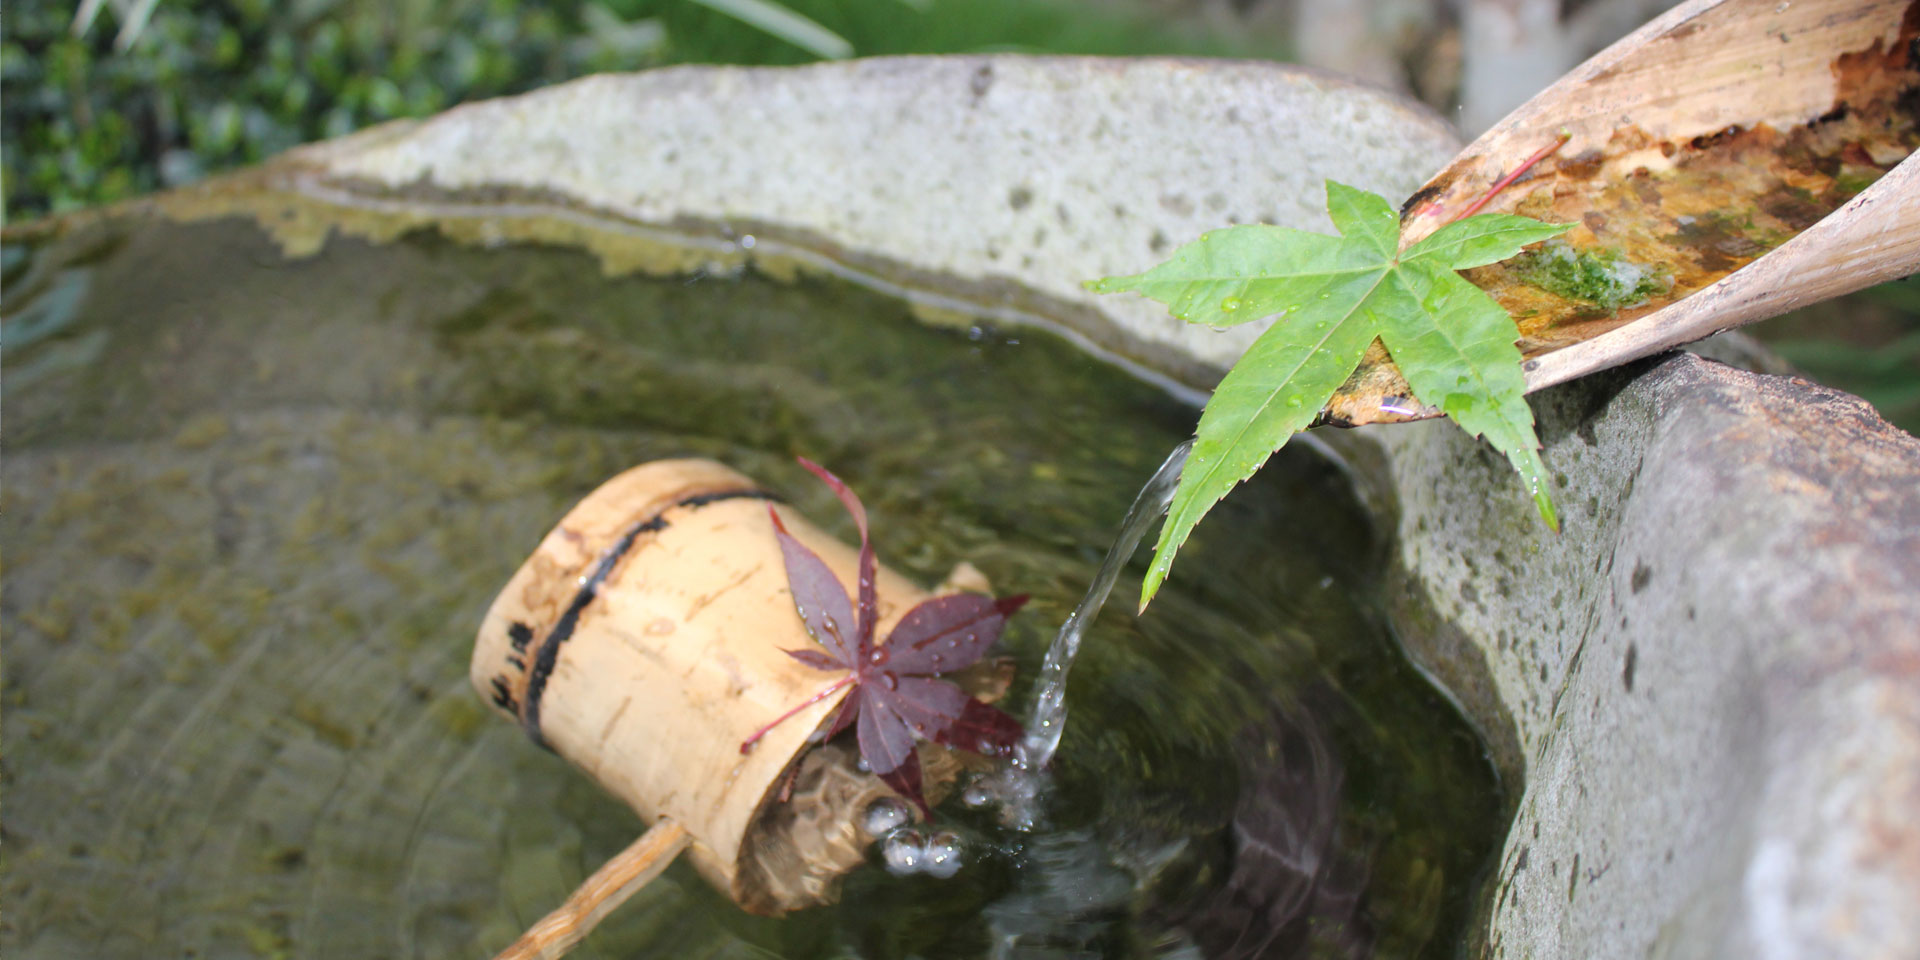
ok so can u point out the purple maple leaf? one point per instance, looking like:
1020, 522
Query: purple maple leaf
897, 696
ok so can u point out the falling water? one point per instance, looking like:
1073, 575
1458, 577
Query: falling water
1019, 789
1049, 718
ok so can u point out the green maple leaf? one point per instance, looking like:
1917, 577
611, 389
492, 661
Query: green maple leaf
1333, 296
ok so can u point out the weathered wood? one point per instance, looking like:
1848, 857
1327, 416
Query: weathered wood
1871, 240
1745, 157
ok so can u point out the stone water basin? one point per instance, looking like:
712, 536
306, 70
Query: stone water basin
258, 498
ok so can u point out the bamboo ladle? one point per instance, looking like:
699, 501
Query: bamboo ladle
643, 642
1716, 143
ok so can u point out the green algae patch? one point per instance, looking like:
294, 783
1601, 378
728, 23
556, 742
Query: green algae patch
1604, 278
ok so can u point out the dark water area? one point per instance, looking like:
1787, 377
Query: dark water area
253, 509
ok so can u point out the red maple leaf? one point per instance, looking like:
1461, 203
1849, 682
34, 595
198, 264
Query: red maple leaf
897, 696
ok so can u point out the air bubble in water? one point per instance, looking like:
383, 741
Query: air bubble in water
941, 856
978, 794
903, 851
886, 815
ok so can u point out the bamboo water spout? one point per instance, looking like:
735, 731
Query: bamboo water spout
1728, 162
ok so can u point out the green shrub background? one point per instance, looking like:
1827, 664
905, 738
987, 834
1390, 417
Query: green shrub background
212, 84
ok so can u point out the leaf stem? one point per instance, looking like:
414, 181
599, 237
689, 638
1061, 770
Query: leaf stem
746, 745
1506, 181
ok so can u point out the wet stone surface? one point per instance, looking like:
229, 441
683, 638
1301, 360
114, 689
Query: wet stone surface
1706, 680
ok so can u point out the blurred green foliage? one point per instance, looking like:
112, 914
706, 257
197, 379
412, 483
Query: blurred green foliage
212, 84
1867, 344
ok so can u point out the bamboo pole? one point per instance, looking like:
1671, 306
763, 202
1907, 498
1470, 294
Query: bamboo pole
1712, 147
609, 887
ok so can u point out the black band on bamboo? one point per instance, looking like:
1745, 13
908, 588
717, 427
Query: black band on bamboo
548, 655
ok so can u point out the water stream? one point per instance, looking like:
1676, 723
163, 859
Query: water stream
1020, 786
1048, 719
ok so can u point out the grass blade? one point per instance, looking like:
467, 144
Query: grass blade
779, 21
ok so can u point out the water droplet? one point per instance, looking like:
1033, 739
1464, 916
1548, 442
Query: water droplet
1293, 401
941, 856
1231, 304
886, 815
978, 794
1322, 325
879, 656
903, 851
890, 681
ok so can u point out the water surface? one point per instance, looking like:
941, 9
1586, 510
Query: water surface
253, 509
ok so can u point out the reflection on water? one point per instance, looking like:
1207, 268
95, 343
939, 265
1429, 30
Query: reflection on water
253, 510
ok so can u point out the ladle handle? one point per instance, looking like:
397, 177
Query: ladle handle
609, 887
